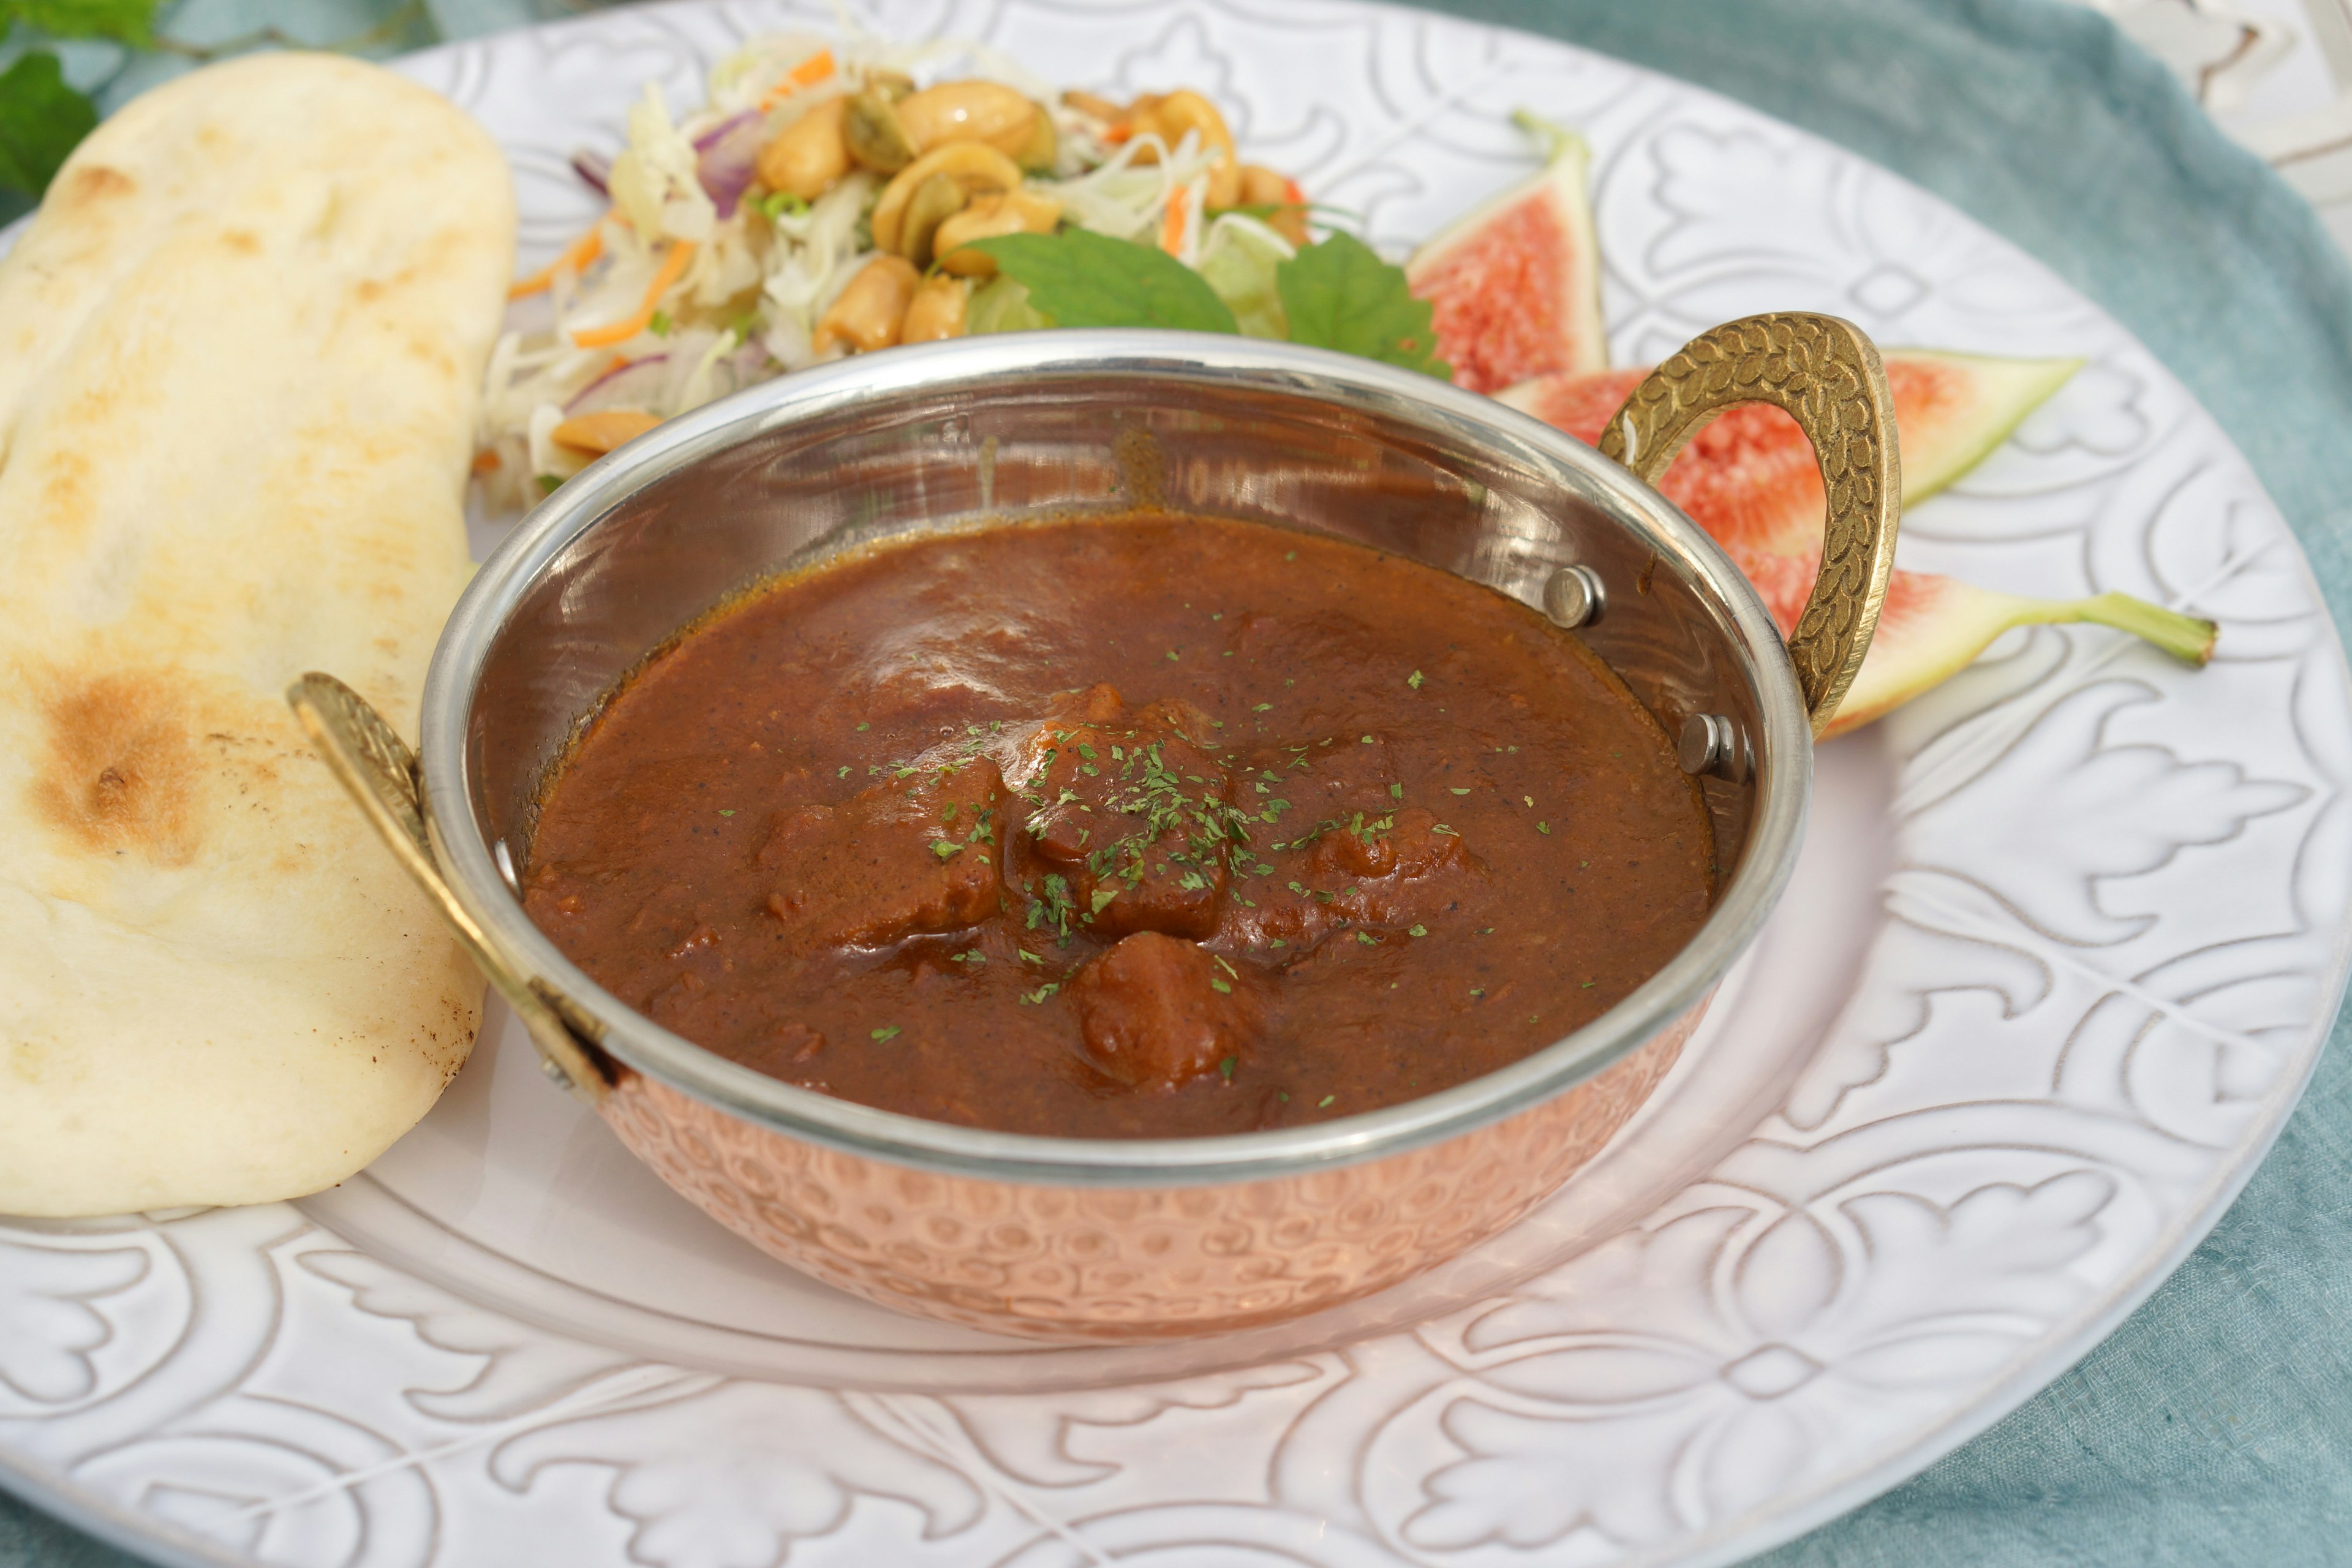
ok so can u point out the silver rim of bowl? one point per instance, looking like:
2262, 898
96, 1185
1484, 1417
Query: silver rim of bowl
1783, 780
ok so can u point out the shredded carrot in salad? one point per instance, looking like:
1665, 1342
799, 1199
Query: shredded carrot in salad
1172, 227
817, 68
672, 268
575, 256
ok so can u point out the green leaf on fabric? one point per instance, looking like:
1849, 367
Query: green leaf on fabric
41, 121
1079, 278
1339, 295
131, 22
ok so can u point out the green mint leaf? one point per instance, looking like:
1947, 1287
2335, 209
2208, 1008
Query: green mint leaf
41, 121
1339, 295
131, 22
1079, 278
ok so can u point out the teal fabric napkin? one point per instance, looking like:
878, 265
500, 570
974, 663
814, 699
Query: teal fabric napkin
2215, 1428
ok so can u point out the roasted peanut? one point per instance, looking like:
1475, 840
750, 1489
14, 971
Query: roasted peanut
1014, 211
808, 155
871, 314
1044, 146
936, 200
1170, 115
936, 311
1261, 186
971, 166
870, 129
1095, 105
600, 432
984, 111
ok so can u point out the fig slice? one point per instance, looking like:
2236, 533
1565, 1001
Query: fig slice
1750, 481
1514, 285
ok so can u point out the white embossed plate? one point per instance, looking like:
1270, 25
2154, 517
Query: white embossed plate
2061, 952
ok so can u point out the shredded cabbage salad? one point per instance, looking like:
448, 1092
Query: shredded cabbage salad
738, 247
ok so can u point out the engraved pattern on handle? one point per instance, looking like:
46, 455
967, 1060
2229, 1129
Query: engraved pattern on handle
375, 765
1825, 374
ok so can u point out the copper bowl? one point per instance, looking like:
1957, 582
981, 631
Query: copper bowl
1075, 1239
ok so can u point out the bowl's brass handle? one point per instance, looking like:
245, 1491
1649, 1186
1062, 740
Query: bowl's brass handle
378, 769
1827, 374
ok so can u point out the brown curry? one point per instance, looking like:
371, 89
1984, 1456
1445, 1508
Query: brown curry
1129, 826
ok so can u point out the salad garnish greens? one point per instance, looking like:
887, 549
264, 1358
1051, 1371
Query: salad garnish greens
835, 197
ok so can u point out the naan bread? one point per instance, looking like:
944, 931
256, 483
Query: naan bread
240, 351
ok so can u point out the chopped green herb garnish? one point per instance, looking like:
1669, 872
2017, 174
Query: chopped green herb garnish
1416, 931
1544, 828
1034, 958
1477, 991
973, 956
1222, 988
727, 813
1457, 792
1325, 1101
1226, 1067
1368, 939
1413, 681
1102, 897
946, 848
1262, 707
886, 1032
1396, 792
1171, 656
867, 725
1037, 998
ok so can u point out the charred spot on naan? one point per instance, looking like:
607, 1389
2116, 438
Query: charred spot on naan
88, 184
121, 770
68, 496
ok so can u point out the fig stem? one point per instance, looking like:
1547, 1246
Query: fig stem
2185, 638
1553, 139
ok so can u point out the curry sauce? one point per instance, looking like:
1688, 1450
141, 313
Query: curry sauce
1144, 825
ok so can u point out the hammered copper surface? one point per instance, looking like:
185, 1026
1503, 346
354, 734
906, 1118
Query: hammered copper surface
1092, 1263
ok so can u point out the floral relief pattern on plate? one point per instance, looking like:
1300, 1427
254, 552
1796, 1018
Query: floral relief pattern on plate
2061, 952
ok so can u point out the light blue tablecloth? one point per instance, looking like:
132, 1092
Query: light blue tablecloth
2216, 1426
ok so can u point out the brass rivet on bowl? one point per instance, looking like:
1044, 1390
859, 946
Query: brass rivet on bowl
1711, 746
1574, 598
